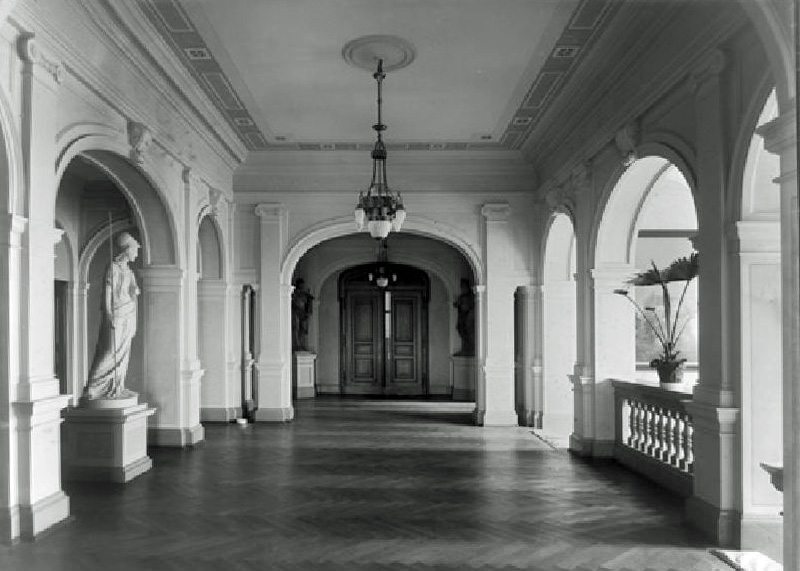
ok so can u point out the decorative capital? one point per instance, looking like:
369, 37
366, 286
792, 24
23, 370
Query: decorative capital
627, 139
496, 211
269, 211
139, 138
30, 52
559, 199
58, 233
214, 196
479, 289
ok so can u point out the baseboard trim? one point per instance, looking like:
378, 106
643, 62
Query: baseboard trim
175, 437
284, 414
532, 418
580, 446
763, 533
305, 393
116, 474
721, 526
603, 448
220, 414
9, 525
499, 418
46, 512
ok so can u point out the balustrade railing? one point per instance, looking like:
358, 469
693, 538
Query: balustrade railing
654, 434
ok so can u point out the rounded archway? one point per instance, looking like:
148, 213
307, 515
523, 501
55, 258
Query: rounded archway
559, 336
321, 267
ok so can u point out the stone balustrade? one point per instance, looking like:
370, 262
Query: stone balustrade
653, 434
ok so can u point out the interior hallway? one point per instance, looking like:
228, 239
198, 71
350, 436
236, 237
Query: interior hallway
369, 485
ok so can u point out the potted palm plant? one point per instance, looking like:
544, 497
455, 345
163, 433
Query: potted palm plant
668, 330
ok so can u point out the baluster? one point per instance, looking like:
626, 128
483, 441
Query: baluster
641, 420
652, 423
633, 439
680, 442
631, 422
688, 449
668, 455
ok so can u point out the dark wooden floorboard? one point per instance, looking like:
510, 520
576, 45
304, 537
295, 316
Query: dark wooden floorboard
366, 485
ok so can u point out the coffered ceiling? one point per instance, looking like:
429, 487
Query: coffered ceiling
484, 72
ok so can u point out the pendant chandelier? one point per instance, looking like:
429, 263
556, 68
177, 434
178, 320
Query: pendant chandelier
379, 209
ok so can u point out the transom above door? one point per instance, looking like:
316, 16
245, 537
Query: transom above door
384, 331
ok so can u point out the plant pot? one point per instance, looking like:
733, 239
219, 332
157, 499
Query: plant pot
670, 375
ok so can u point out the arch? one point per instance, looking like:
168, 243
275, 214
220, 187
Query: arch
81, 137
762, 106
343, 226
156, 224
612, 240
556, 238
211, 255
774, 30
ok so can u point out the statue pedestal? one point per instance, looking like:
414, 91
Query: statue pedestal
463, 377
106, 440
304, 374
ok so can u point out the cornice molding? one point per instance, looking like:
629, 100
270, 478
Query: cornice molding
123, 44
563, 123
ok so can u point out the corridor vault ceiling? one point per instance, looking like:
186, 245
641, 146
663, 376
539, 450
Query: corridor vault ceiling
485, 70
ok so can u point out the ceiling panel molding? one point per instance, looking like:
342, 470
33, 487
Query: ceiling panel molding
585, 24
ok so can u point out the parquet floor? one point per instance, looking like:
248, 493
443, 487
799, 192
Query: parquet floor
369, 486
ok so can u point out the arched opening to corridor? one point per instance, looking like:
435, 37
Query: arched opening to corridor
357, 328
559, 337
649, 219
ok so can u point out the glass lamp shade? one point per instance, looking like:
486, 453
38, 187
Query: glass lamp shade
382, 281
359, 215
379, 228
400, 216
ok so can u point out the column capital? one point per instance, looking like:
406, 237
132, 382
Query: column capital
611, 275
780, 134
162, 275
479, 289
11, 229
270, 211
530, 290
496, 211
287, 290
31, 53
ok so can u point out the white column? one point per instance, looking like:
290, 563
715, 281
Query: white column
191, 367
558, 357
780, 137
713, 506
480, 354
529, 300
499, 314
11, 230
582, 378
80, 354
761, 380
274, 356
37, 403
164, 384
214, 339
614, 348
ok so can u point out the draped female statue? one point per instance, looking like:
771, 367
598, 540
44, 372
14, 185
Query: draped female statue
118, 326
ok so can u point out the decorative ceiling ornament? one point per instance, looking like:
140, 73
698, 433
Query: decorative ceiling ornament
139, 138
379, 209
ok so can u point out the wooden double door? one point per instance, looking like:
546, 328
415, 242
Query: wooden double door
384, 336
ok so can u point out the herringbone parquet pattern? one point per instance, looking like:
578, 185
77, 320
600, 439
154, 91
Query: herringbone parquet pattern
357, 486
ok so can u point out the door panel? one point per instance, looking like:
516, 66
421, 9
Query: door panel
362, 337
404, 347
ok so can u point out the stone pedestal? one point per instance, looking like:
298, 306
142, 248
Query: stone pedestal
304, 374
463, 377
106, 443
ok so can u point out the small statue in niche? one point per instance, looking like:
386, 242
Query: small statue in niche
118, 326
302, 305
465, 304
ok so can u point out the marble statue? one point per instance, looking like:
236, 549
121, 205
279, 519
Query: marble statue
118, 326
465, 304
302, 305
